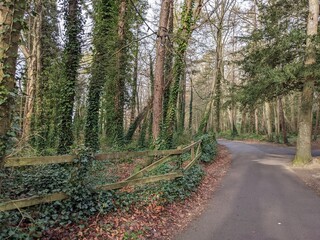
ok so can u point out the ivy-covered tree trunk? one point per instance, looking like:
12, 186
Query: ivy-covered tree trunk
158, 89
11, 18
134, 87
303, 154
188, 18
44, 120
121, 74
182, 103
71, 64
102, 18
190, 109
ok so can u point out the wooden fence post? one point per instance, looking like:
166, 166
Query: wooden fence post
192, 151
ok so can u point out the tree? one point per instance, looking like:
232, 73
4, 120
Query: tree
162, 38
31, 48
72, 55
303, 154
102, 18
11, 19
189, 17
121, 63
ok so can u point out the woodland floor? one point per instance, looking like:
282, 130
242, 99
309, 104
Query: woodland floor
152, 221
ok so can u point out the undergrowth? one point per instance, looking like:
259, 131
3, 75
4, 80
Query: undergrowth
77, 180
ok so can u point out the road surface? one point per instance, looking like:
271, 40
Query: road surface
260, 199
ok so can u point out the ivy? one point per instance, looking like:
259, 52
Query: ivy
72, 54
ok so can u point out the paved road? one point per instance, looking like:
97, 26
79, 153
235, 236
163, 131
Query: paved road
260, 199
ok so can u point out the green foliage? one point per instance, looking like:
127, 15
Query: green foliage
72, 54
208, 147
103, 16
274, 55
74, 179
181, 188
183, 35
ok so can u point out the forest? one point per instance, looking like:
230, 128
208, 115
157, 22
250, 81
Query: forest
88, 77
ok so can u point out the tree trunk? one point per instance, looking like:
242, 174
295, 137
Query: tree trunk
159, 71
168, 71
282, 122
11, 18
184, 32
276, 120
315, 130
268, 120
33, 57
121, 74
303, 154
243, 122
218, 77
256, 121
72, 59
182, 103
190, 109
98, 74
134, 81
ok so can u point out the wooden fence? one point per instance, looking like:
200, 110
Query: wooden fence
134, 179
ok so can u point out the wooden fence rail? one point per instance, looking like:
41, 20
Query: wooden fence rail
134, 179
42, 160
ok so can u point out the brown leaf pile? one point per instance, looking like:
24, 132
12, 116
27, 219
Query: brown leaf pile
151, 221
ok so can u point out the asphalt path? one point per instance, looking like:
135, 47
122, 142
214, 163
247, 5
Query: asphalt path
260, 199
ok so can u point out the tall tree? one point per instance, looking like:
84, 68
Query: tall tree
45, 115
303, 154
162, 38
102, 19
72, 54
121, 72
189, 16
31, 48
11, 18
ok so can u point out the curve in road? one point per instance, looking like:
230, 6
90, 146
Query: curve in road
260, 199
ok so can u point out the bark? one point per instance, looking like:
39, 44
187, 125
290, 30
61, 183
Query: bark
256, 121
294, 116
134, 81
268, 120
182, 103
32, 52
190, 109
168, 71
159, 71
282, 122
183, 35
276, 120
11, 14
303, 154
121, 74
137, 121
316, 127
243, 122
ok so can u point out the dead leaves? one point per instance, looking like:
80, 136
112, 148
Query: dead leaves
149, 221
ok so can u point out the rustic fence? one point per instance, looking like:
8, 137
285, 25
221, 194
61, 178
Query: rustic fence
135, 179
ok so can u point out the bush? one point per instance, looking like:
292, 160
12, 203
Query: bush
208, 147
